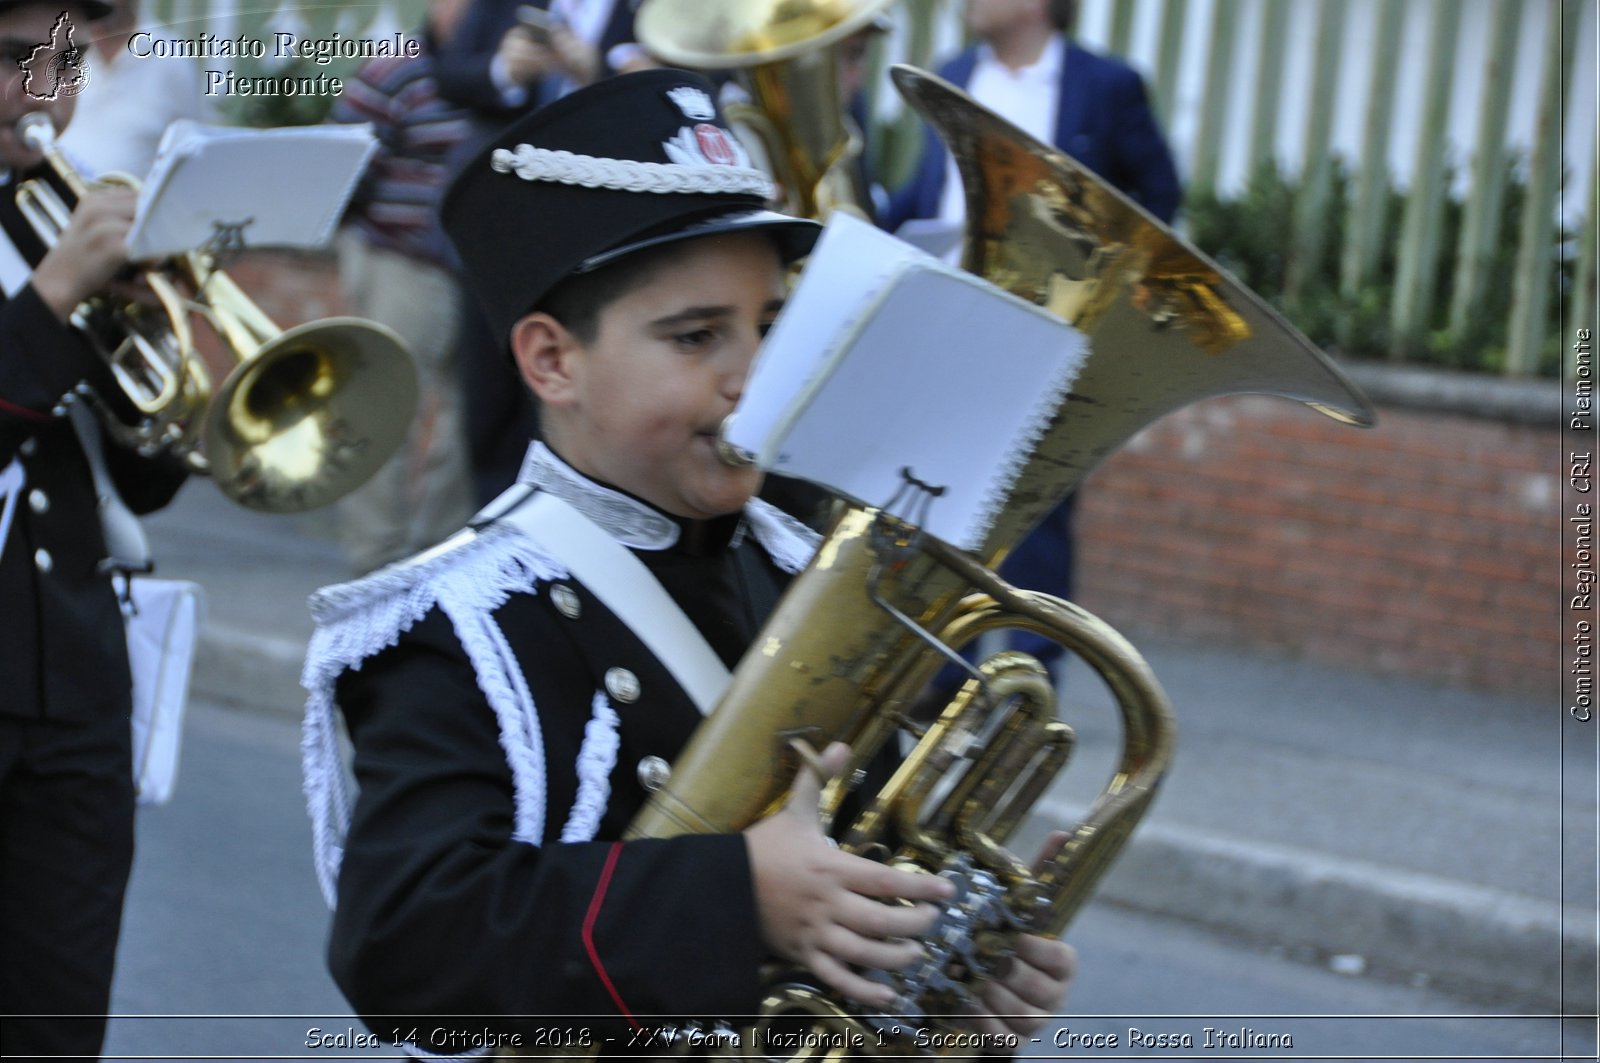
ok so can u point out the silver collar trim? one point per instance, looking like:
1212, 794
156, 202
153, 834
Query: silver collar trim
628, 520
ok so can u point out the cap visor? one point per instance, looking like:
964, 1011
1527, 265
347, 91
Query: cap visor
795, 236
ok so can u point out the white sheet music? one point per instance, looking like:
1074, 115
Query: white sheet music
888, 360
248, 187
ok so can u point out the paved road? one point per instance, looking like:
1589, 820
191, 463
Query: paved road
221, 956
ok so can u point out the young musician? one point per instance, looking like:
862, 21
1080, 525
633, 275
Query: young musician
509, 717
66, 790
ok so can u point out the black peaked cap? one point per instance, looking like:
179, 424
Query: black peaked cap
522, 220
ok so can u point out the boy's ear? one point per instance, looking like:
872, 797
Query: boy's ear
546, 355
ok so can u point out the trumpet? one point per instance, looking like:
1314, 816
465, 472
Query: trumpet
303, 416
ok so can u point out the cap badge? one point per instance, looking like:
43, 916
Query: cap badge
705, 144
693, 102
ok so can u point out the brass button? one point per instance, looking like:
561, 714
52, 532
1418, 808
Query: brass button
43, 561
38, 501
654, 773
566, 600
622, 685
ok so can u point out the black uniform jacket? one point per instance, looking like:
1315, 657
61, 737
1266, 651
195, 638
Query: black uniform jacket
478, 874
62, 649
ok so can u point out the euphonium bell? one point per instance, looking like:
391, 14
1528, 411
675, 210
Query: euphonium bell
304, 416
783, 53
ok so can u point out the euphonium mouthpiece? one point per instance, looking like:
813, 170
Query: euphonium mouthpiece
730, 454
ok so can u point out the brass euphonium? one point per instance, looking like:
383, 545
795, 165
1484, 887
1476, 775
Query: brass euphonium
784, 54
303, 417
845, 654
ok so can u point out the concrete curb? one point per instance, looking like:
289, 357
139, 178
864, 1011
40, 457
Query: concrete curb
1465, 938
245, 670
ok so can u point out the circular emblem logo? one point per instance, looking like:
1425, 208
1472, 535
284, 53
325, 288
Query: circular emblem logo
716, 144
67, 73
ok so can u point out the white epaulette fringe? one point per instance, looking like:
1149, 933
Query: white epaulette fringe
787, 541
469, 577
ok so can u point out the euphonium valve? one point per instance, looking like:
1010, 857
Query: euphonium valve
302, 417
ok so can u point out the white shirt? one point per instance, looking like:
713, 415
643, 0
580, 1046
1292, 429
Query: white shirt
126, 106
1026, 97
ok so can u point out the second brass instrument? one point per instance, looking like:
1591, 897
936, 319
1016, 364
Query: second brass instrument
784, 54
847, 651
302, 417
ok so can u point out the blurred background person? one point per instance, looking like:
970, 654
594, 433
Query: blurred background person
509, 56
66, 761
1024, 66
396, 268
134, 96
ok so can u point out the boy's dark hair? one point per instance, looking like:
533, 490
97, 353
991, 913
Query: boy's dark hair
1063, 14
578, 300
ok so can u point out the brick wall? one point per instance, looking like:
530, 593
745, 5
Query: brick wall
291, 287
1425, 546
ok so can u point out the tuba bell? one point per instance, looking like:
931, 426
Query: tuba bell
304, 416
858, 635
784, 55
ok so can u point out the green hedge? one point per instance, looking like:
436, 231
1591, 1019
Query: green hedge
1252, 235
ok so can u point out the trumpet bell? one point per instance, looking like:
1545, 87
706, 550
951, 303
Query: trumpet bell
311, 416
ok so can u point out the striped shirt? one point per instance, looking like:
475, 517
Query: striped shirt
419, 137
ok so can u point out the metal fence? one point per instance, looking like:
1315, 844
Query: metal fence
1446, 147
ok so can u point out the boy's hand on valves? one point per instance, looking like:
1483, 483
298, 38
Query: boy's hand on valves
1034, 986
821, 908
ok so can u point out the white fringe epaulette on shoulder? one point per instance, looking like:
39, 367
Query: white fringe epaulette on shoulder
787, 541
469, 577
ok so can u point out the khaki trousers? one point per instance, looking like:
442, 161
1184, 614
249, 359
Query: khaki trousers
424, 493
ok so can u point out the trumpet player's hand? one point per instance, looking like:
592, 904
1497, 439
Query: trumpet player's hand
90, 252
1031, 991
823, 908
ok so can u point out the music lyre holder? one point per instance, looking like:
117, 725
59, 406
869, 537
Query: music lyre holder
226, 243
897, 539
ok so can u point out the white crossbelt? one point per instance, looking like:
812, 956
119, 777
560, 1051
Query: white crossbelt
13, 478
625, 586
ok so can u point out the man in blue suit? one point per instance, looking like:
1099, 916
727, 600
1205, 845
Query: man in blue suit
1024, 68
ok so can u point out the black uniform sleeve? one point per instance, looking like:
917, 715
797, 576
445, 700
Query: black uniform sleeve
40, 361
442, 913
